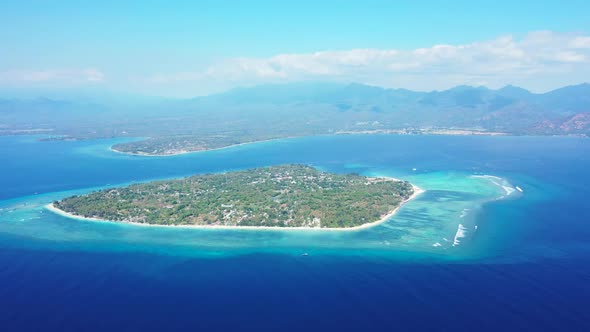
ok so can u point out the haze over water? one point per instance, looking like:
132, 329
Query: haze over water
517, 249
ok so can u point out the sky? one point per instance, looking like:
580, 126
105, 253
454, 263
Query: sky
192, 48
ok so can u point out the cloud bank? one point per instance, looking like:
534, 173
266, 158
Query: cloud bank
540, 61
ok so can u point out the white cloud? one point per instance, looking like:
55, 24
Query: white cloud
580, 42
52, 76
540, 60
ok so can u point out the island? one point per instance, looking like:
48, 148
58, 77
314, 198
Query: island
181, 144
285, 196
175, 145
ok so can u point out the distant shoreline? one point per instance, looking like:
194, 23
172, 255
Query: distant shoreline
384, 218
400, 132
144, 154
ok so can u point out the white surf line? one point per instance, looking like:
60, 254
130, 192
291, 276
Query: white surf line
461, 230
500, 182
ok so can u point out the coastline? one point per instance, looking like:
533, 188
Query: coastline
384, 218
340, 133
143, 154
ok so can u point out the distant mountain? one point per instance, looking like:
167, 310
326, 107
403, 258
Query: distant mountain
514, 92
509, 109
570, 99
567, 99
312, 108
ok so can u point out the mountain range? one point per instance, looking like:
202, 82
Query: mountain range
306, 109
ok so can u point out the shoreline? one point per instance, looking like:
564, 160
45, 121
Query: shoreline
143, 154
341, 133
417, 191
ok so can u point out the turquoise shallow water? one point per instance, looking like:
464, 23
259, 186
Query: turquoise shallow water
439, 221
431, 218
525, 267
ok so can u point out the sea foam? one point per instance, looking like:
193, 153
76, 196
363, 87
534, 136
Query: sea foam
463, 213
459, 235
500, 182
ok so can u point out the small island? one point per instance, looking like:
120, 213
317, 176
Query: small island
160, 146
175, 145
287, 196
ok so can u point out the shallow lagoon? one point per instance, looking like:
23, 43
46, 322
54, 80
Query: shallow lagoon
438, 221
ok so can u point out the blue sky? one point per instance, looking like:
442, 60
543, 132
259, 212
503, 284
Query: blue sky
191, 48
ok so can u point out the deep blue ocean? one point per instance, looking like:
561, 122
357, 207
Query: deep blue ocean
524, 264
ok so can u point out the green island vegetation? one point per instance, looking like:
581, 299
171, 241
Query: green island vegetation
277, 196
171, 145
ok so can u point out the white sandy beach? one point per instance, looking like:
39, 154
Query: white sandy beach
417, 192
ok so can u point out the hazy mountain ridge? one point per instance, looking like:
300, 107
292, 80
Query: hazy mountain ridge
510, 109
311, 108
